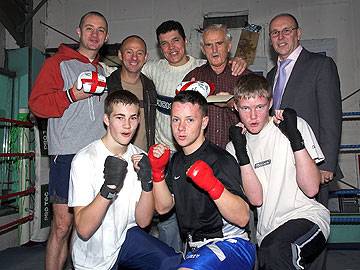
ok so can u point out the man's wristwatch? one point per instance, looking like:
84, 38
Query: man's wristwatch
108, 193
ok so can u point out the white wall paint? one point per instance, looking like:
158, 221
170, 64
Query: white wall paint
10, 42
2, 45
39, 30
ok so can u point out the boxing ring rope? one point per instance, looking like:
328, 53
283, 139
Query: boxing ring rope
350, 148
17, 122
350, 115
348, 220
19, 193
353, 192
13, 224
24, 155
24, 172
343, 194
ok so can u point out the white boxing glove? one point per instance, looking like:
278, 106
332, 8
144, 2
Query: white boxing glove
91, 82
202, 87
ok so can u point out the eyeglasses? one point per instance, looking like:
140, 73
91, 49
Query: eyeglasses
284, 32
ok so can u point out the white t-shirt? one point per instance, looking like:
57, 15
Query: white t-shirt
166, 78
86, 179
273, 161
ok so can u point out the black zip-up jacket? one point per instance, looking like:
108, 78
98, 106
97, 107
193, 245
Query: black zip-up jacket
149, 93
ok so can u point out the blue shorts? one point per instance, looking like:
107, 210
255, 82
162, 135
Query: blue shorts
59, 178
230, 254
140, 250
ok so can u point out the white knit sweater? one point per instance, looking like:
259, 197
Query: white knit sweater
166, 78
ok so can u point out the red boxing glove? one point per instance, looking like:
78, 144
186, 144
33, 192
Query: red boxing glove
203, 176
158, 164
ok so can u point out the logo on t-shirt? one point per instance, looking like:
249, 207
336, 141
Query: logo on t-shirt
163, 104
262, 163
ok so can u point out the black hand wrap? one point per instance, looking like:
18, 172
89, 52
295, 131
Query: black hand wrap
115, 170
144, 174
239, 141
289, 127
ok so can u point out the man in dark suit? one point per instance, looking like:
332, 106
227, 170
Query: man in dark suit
312, 88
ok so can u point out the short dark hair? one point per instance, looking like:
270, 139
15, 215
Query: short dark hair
96, 13
168, 26
285, 15
119, 96
192, 97
129, 37
252, 85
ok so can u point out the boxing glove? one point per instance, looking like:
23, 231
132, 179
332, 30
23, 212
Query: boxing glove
144, 173
158, 165
288, 127
202, 87
239, 141
115, 170
202, 175
91, 82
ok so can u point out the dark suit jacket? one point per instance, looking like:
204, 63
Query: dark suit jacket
149, 93
313, 91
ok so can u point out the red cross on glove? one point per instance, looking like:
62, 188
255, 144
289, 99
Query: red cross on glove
91, 82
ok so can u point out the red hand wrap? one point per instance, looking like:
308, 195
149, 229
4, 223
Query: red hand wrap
158, 165
203, 176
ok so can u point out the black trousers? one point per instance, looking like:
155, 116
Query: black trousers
294, 245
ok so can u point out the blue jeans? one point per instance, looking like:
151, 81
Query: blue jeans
143, 251
169, 232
